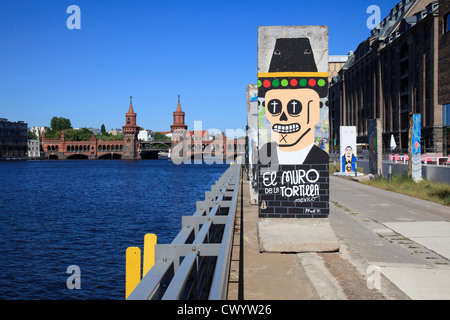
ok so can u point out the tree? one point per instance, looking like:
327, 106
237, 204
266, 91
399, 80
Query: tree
110, 137
83, 134
58, 124
103, 129
51, 134
160, 136
31, 135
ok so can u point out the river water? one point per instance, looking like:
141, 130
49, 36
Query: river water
56, 214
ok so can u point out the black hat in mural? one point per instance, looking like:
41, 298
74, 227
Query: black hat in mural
293, 67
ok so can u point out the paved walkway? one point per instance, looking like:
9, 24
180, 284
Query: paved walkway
391, 247
411, 246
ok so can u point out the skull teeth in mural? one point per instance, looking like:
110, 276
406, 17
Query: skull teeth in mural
292, 128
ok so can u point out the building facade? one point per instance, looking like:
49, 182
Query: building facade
444, 70
13, 139
146, 135
115, 132
391, 75
34, 149
39, 130
335, 64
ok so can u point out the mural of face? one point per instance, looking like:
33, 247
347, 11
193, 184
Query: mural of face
293, 114
348, 153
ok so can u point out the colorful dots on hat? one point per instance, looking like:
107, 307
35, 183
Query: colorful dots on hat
276, 83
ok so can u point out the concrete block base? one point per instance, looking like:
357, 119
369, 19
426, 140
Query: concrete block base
359, 174
296, 235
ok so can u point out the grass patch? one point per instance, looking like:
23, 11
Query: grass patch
404, 184
337, 204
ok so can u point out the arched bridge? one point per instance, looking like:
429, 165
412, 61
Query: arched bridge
92, 149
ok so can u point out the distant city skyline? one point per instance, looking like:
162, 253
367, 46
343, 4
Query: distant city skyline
206, 51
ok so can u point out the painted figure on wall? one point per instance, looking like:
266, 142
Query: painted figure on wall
348, 160
293, 122
348, 149
293, 93
416, 155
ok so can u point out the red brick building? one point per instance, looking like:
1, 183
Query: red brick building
128, 148
178, 119
131, 130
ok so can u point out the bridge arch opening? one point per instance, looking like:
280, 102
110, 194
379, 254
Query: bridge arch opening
53, 157
78, 157
109, 156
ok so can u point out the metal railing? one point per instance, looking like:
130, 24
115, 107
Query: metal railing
195, 266
432, 160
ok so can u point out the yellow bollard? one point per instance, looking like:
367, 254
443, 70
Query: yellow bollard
149, 252
132, 269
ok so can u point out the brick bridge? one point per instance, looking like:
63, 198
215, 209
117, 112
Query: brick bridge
92, 149
131, 148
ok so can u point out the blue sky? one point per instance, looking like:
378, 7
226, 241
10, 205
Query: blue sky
206, 51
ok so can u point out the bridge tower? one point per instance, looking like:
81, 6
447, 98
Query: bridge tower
178, 119
130, 131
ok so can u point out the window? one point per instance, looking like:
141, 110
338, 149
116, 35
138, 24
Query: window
446, 115
446, 23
